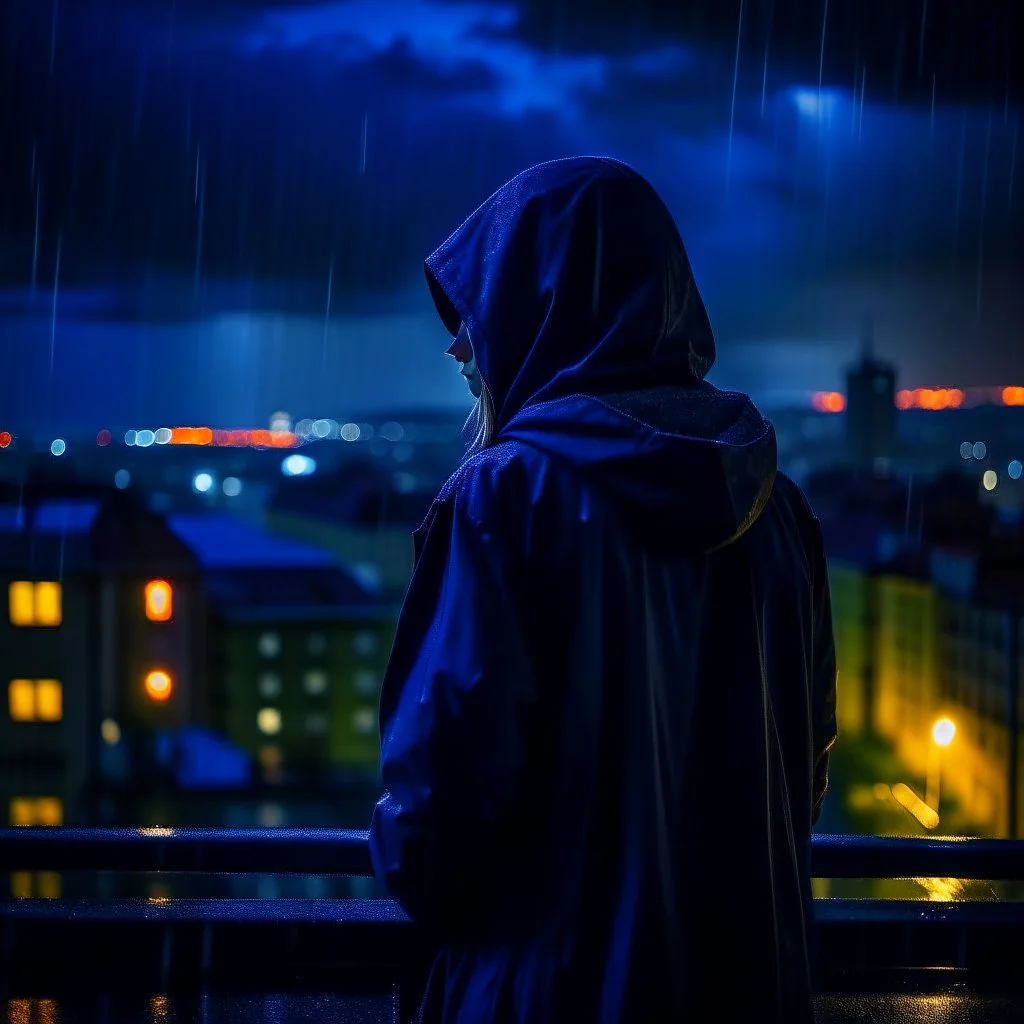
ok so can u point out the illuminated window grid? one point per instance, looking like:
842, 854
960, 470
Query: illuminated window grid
35, 700
28, 811
35, 604
43, 885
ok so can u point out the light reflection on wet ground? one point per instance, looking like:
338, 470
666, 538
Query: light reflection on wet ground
313, 1008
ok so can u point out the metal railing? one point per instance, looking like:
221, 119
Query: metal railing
177, 944
346, 852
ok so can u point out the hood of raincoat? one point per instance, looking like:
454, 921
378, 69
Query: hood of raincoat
593, 341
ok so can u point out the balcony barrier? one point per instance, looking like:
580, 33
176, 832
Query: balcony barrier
363, 958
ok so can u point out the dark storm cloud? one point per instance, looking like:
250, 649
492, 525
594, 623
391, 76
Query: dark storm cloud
302, 138
897, 48
240, 178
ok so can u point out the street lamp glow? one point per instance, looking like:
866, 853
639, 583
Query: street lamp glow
943, 732
158, 686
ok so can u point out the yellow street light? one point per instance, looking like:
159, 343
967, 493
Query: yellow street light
943, 732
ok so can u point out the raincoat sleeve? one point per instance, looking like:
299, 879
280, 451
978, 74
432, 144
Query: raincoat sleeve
457, 693
823, 674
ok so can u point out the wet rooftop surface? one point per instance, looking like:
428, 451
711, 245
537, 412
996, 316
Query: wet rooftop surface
291, 1008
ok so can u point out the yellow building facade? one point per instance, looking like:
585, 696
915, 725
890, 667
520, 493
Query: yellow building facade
909, 655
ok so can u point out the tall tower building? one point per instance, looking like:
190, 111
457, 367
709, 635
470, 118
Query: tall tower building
870, 407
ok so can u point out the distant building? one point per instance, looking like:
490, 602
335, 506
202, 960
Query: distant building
298, 647
138, 651
100, 639
980, 666
870, 409
929, 626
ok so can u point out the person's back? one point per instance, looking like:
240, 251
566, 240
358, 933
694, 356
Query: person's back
607, 713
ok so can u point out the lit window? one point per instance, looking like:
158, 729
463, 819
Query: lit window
365, 643
364, 720
365, 682
269, 645
21, 603
314, 682
34, 604
159, 601
35, 700
268, 721
26, 811
159, 686
44, 885
49, 700
47, 887
269, 685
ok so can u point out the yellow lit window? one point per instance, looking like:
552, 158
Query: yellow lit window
21, 889
35, 700
35, 604
21, 603
44, 885
36, 810
49, 700
159, 601
48, 604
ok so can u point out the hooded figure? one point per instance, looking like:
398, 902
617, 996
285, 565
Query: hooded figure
606, 718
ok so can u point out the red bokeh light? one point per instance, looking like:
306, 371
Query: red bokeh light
828, 401
5, 439
103, 438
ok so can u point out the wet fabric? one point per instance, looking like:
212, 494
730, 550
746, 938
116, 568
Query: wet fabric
606, 717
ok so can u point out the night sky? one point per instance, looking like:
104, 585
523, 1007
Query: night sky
213, 210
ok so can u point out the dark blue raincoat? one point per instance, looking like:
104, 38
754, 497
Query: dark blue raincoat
607, 713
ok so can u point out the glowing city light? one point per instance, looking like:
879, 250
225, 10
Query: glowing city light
943, 732
930, 398
202, 482
159, 601
828, 401
298, 465
990, 480
1014, 469
268, 721
158, 686
58, 447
